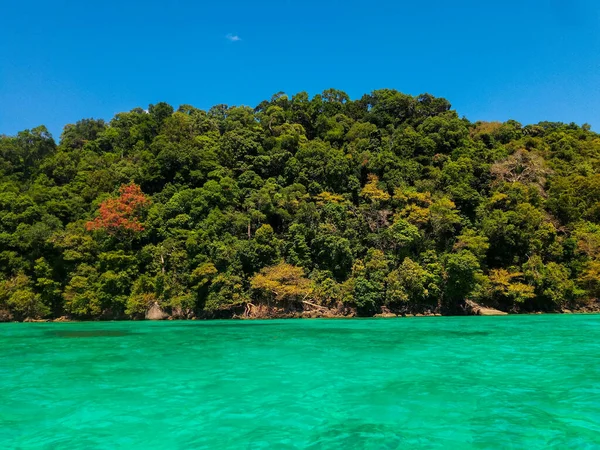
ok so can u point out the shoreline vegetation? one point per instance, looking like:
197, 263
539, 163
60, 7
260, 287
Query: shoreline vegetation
477, 310
307, 315
383, 206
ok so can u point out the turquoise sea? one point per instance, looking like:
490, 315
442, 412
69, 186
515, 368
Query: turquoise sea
519, 382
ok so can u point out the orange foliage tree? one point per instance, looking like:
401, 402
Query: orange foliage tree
122, 213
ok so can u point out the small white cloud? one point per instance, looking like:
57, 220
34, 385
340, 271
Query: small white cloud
233, 37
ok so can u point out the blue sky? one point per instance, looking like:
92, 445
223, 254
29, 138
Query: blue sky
65, 60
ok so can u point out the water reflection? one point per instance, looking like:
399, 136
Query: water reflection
87, 333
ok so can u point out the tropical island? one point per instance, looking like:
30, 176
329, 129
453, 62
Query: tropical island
389, 204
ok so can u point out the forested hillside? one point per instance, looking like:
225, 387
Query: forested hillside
389, 201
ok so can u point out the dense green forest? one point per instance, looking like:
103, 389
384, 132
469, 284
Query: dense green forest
386, 203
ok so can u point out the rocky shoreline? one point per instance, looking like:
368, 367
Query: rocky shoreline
261, 312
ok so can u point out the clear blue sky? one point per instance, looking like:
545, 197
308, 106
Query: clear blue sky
64, 60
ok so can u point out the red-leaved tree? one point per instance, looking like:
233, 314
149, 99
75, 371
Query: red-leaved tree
122, 213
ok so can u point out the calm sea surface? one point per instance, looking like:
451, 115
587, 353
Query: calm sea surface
517, 382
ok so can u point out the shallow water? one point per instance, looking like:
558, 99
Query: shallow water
440, 382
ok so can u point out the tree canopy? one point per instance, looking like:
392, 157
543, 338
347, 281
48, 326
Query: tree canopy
386, 201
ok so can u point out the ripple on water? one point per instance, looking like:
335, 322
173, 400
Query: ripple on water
469, 382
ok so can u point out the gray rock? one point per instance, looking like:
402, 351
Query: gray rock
156, 313
478, 310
